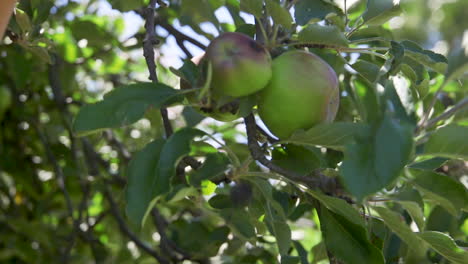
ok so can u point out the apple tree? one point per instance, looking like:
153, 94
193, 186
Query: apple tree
234, 131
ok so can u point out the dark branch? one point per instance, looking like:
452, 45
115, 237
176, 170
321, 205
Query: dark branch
148, 52
179, 35
126, 230
257, 153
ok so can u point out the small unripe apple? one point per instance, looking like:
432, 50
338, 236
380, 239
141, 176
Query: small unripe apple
240, 65
221, 108
302, 92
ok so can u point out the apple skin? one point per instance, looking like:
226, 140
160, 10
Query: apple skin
302, 92
240, 65
231, 109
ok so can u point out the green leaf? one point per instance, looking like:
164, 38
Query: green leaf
253, 7
279, 14
176, 147
449, 141
282, 233
333, 135
447, 192
302, 252
307, 10
429, 164
93, 33
372, 164
340, 207
415, 211
40, 52
290, 260
430, 59
347, 241
324, 35
275, 215
240, 222
397, 224
125, 5
123, 106
142, 174
214, 165
248, 29
23, 20
458, 64
380, 11
296, 158
445, 246
368, 70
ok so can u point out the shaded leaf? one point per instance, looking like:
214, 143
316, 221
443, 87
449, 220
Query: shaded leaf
368, 70
340, 207
296, 158
371, 165
239, 221
380, 11
445, 246
458, 64
142, 174
123, 106
176, 147
333, 135
279, 14
397, 224
214, 165
449, 141
307, 10
325, 35
428, 58
347, 241
430, 164
253, 7
447, 192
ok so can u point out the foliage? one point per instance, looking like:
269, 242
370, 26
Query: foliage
100, 165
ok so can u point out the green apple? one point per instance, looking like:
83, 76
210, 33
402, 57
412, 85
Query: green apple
221, 108
302, 92
240, 65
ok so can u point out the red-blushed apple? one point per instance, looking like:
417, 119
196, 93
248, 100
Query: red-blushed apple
302, 92
241, 66
221, 108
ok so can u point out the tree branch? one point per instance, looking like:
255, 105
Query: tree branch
448, 113
148, 53
257, 154
179, 35
126, 230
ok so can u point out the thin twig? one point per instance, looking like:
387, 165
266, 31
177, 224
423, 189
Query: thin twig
179, 35
428, 111
448, 113
126, 230
148, 52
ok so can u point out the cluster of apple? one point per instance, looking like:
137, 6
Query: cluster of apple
296, 90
